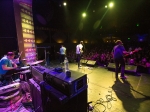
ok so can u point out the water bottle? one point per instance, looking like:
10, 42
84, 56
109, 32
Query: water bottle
66, 64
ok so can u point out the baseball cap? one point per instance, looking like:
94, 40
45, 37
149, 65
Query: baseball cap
10, 54
118, 42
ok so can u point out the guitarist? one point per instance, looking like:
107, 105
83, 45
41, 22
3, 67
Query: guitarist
79, 52
118, 55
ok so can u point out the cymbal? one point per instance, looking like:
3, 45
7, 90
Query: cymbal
36, 62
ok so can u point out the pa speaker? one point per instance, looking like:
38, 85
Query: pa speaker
83, 61
111, 66
55, 101
91, 62
130, 69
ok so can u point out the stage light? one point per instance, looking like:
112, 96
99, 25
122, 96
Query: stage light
86, 41
105, 6
64, 3
59, 41
137, 24
84, 14
75, 41
111, 5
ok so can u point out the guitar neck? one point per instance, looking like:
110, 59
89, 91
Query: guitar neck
132, 52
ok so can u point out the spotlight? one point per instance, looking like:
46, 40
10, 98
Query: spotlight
84, 14
64, 3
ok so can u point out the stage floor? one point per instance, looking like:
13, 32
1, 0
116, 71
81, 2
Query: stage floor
106, 94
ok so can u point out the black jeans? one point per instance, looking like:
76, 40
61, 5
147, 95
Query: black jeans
120, 64
79, 56
62, 57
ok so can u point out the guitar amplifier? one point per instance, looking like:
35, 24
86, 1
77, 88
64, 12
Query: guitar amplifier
38, 71
55, 101
36, 95
69, 86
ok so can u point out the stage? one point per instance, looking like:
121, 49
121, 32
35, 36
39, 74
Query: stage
104, 93
130, 95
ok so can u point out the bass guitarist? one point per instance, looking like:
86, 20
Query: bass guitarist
118, 53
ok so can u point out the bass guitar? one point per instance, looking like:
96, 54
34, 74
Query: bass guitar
132, 52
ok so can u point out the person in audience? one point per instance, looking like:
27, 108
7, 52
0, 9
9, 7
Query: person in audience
148, 66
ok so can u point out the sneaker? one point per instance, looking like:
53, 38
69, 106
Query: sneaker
79, 67
123, 77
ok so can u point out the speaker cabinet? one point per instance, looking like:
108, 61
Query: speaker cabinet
36, 95
91, 62
83, 61
55, 101
130, 69
111, 66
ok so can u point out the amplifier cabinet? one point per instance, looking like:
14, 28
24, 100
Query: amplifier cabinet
38, 71
69, 86
36, 95
55, 101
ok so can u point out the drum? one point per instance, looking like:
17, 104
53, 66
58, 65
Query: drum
25, 75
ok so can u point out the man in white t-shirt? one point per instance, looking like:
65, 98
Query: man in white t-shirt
79, 52
62, 53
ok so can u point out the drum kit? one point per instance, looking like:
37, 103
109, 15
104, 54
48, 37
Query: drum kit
36, 62
25, 72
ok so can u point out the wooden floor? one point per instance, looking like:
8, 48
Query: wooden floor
109, 95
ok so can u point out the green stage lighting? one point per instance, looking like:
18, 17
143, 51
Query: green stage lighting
84, 14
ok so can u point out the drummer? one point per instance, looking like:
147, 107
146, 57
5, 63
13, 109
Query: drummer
6, 65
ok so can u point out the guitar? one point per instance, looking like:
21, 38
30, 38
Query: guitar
81, 51
132, 52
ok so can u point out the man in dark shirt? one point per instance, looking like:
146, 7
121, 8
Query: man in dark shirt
118, 55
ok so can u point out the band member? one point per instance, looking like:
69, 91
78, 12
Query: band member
79, 52
118, 55
62, 54
6, 65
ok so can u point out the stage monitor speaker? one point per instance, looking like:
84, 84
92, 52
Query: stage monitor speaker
36, 95
83, 61
91, 62
111, 66
55, 101
130, 69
